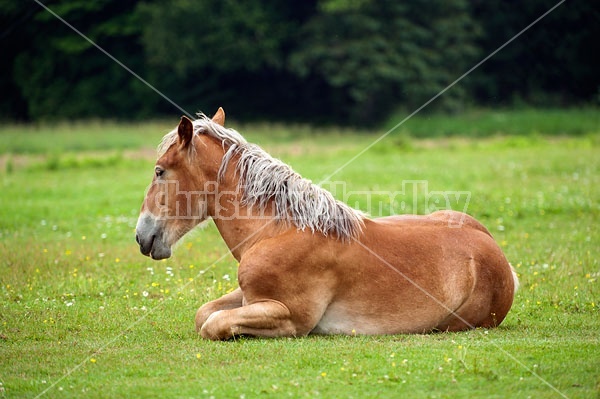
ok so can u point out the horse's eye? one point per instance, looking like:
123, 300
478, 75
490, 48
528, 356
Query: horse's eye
158, 171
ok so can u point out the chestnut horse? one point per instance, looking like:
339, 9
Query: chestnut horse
309, 263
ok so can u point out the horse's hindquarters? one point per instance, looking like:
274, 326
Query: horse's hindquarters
415, 278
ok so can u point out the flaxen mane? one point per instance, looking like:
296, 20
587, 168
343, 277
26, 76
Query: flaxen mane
263, 178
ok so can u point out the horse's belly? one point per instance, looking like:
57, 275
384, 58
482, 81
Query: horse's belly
339, 319
392, 316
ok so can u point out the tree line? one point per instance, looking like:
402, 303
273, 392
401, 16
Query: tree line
330, 61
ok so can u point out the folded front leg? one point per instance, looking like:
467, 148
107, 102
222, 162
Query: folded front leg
228, 301
267, 318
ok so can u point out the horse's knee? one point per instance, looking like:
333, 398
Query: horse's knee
202, 315
263, 319
213, 328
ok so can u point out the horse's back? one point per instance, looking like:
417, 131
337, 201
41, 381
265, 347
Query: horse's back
452, 219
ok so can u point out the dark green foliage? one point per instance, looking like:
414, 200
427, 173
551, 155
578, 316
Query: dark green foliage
211, 53
554, 63
342, 61
60, 75
386, 53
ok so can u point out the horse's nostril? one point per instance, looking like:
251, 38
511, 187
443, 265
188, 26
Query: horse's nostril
137, 239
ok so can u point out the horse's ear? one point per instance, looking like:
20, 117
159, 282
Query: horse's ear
219, 117
185, 130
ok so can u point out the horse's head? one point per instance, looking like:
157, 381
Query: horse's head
177, 198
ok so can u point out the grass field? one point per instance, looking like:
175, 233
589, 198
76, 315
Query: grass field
84, 314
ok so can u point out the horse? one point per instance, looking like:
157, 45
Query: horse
308, 263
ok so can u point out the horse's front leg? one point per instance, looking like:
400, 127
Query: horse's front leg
228, 301
267, 318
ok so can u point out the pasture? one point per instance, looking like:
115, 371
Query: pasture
84, 314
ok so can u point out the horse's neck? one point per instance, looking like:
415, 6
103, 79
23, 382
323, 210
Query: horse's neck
240, 226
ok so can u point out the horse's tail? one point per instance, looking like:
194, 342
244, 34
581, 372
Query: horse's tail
515, 278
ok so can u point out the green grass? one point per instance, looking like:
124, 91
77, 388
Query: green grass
82, 313
521, 122
79, 136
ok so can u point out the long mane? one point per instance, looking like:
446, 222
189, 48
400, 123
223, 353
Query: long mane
263, 178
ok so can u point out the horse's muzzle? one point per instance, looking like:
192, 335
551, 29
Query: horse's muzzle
150, 242
145, 246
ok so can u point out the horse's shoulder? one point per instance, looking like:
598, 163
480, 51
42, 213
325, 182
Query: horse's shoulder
287, 246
